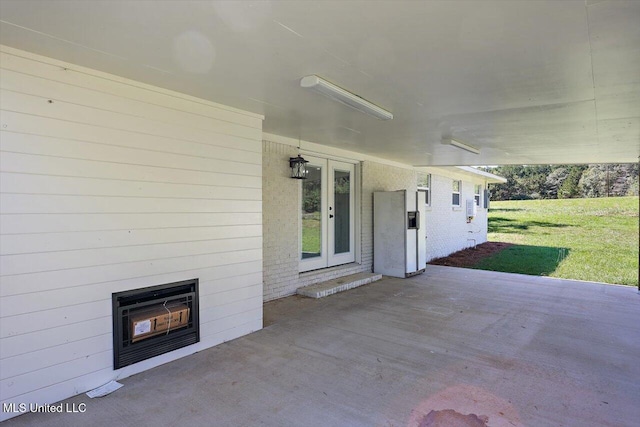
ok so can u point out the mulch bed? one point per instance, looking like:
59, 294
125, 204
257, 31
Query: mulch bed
470, 256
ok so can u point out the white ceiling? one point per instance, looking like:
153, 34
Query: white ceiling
524, 81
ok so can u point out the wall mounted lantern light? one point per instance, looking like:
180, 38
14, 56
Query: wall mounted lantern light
298, 167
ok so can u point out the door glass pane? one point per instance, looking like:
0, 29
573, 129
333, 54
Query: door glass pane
341, 191
311, 216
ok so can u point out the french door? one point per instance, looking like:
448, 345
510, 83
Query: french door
327, 202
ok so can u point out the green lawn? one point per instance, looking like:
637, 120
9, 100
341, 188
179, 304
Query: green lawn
311, 230
584, 239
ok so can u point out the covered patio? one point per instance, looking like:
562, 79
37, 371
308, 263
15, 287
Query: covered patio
146, 147
518, 350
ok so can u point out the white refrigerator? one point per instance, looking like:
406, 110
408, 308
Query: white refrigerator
399, 233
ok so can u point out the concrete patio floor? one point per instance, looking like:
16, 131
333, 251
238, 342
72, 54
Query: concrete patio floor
519, 350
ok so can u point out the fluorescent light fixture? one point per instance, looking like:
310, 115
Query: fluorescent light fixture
466, 147
345, 97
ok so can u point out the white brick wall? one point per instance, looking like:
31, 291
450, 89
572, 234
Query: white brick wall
280, 223
379, 177
447, 229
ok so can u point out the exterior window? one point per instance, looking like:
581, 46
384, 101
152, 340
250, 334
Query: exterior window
424, 185
476, 194
455, 199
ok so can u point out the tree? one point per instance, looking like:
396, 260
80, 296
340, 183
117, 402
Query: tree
511, 189
610, 180
622, 178
565, 181
634, 186
593, 181
554, 181
533, 182
569, 188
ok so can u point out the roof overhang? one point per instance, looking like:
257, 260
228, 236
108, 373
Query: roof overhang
523, 82
469, 172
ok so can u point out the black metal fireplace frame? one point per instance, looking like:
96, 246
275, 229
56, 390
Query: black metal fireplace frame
126, 352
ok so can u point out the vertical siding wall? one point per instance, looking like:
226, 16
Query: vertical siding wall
447, 227
109, 185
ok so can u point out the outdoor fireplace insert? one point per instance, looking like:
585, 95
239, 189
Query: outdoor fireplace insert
151, 321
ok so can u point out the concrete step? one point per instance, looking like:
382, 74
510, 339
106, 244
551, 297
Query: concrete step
330, 287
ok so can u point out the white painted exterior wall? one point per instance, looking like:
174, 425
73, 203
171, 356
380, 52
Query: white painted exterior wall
280, 212
281, 215
109, 185
447, 228
281, 226
379, 177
